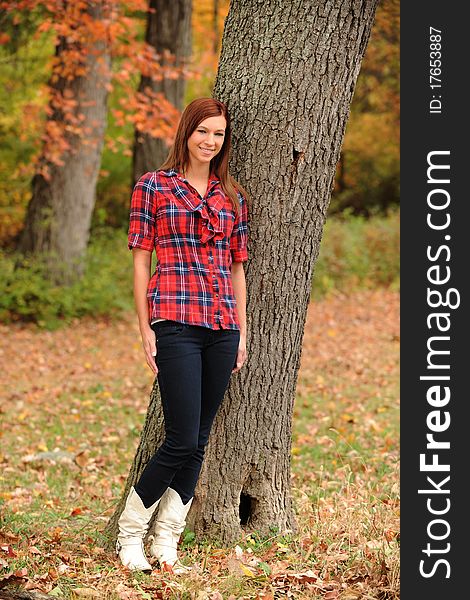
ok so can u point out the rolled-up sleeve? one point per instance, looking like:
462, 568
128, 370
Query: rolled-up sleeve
142, 226
239, 236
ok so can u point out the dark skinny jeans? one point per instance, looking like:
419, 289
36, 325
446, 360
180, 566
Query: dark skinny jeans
194, 367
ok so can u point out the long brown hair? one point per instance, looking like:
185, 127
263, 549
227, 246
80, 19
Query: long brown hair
178, 158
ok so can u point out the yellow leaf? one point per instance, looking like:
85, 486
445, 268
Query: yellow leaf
246, 570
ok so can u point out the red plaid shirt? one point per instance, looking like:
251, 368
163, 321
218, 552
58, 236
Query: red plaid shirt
196, 240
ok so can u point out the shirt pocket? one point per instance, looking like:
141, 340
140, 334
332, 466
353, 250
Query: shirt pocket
227, 220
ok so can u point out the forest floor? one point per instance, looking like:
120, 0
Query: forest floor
73, 404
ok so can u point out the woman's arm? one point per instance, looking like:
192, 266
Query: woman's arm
239, 289
142, 265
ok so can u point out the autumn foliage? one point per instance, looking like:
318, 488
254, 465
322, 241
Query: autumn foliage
368, 171
82, 32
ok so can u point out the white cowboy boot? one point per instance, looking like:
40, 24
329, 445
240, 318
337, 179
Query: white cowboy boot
133, 524
169, 524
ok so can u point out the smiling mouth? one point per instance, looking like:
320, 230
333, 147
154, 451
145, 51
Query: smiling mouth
206, 150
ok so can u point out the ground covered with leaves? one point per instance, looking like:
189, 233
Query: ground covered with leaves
73, 404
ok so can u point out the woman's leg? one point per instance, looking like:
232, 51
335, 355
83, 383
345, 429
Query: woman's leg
179, 350
179, 362
218, 358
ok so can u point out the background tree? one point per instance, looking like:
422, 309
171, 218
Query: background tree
216, 26
287, 72
86, 35
22, 60
63, 189
169, 33
368, 174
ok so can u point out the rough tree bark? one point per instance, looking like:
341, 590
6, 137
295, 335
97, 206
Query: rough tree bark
58, 217
168, 31
288, 72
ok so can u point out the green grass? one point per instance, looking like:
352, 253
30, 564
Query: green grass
356, 252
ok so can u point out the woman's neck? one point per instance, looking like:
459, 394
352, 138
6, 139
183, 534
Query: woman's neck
197, 172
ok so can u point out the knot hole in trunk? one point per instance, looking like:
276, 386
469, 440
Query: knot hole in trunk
246, 508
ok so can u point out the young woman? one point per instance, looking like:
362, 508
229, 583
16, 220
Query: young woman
192, 316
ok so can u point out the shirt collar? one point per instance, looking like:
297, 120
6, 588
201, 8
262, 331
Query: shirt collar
174, 173
214, 202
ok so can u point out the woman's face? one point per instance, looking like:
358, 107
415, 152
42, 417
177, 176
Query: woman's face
207, 140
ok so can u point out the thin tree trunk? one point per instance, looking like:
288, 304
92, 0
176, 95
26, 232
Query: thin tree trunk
215, 20
168, 31
59, 213
287, 72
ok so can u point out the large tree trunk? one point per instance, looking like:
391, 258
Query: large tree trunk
59, 213
288, 72
168, 31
